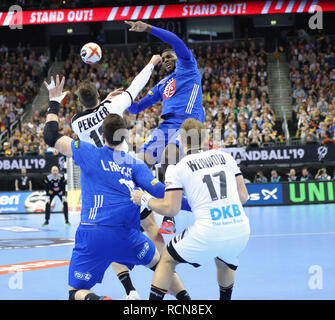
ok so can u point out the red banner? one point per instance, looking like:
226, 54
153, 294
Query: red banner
164, 11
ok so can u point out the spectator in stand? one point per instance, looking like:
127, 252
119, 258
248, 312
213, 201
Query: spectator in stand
23, 183
328, 139
292, 175
260, 178
305, 175
322, 175
274, 176
299, 92
6, 150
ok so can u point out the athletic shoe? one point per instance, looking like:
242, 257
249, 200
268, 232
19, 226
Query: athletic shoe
105, 298
46, 223
167, 227
133, 295
68, 223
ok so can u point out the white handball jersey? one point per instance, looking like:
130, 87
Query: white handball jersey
208, 179
88, 124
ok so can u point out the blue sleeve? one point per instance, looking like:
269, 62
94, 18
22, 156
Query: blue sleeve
151, 98
146, 181
80, 150
182, 51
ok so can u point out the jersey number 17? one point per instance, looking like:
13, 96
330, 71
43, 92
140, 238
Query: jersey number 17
208, 180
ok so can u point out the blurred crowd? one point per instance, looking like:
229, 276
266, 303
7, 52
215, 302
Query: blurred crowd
312, 75
234, 84
23, 68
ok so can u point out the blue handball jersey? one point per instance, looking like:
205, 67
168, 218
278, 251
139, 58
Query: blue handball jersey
181, 91
107, 179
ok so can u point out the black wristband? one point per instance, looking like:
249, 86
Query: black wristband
53, 107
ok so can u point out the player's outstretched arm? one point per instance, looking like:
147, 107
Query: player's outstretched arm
126, 99
178, 45
169, 206
51, 135
146, 181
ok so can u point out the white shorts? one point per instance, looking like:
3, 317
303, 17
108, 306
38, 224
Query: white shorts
197, 245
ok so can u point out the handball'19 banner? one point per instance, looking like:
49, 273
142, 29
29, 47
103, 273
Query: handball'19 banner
164, 11
288, 155
31, 163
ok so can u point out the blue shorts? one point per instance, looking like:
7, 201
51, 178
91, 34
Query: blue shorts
167, 132
96, 247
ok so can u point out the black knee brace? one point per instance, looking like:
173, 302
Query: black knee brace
51, 134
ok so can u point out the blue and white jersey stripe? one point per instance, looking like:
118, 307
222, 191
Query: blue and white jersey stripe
98, 202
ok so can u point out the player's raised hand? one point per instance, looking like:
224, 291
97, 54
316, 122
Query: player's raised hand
139, 26
136, 196
55, 88
156, 60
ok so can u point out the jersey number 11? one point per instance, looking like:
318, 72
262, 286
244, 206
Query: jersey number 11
96, 137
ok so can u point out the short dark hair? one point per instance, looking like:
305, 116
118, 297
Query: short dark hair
166, 49
88, 94
193, 133
114, 128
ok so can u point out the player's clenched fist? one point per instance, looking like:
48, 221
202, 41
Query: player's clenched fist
136, 196
156, 60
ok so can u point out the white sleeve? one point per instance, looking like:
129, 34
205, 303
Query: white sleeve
232, 164
172, 179
123, 101
140, 80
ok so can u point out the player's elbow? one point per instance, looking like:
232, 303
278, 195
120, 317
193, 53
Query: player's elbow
244, 196
50, 133
171, 209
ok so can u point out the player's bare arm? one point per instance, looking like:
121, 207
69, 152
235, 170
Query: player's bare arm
51, 135
242, 189
169, 206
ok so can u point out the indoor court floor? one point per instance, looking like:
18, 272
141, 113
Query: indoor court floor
290, 256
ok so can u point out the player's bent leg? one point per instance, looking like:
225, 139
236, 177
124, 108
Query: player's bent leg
163, 276
154, 261
170, 155
122, 272
84, 294
225, 278
150, 226
47, 210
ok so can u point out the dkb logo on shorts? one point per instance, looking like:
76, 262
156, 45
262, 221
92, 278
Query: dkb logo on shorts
144, 251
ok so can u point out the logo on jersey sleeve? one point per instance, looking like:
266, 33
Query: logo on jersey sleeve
77, 144
169, 89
